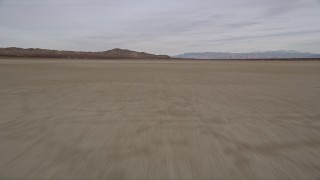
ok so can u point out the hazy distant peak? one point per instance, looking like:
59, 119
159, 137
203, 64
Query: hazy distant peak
249, 55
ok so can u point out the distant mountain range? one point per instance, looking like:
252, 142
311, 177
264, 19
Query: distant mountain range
128, 54
110, 54
250, 55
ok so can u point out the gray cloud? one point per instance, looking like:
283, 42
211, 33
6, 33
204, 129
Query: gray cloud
240, 24
281, 34
163, 27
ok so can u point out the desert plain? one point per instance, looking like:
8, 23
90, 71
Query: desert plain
159, 119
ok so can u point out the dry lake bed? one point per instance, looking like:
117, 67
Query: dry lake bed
140, 119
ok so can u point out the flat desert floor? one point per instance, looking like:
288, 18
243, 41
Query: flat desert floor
140, 119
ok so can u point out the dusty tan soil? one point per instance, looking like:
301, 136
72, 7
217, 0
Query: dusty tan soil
159, 119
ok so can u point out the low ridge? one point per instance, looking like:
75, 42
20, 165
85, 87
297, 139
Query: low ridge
46, 53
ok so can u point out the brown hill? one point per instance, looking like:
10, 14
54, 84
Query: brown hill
110, 54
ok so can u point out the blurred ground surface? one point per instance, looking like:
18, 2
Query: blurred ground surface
159, 119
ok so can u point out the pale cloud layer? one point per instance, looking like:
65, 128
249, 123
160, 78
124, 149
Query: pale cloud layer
162, 26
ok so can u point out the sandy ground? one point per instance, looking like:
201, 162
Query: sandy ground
159, 119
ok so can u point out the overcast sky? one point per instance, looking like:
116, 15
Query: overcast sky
162, 26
